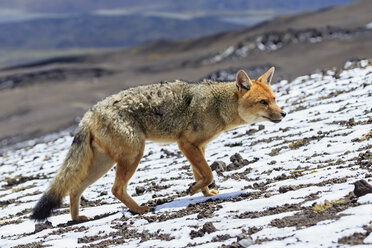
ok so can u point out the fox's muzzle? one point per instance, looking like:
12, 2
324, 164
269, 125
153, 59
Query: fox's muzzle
283, 114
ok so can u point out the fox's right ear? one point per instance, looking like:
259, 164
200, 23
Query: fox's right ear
243, 82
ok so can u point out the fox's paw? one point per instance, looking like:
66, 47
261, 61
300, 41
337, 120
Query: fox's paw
81, 218
190, 191
77, 220
210, 192
141, 209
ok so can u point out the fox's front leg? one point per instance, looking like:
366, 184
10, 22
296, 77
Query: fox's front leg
205, 190
202, 172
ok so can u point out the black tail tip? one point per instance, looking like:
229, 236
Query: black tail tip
44, 208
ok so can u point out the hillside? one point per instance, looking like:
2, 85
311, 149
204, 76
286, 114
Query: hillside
287, 184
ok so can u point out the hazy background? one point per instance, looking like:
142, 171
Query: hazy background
58, 57
42, 28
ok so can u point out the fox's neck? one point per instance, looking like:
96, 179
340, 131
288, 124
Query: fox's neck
227, 98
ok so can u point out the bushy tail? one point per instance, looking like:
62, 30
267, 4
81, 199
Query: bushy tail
73, 169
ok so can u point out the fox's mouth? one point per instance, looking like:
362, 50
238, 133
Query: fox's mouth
275, 121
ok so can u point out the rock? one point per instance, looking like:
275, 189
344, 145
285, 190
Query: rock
251, 131
237, 162
41, 226
196, 234
207, 213
253, 230
286, 188
362, 188
246, 242
369, 228
191, 205
235, 177
208, 227
103, 193
140, 190
236, 157
218, 166
272, 162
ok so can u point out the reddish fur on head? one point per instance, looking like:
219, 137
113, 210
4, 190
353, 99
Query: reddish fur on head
256, 98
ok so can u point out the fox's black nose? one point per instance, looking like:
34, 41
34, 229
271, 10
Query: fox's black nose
283, 114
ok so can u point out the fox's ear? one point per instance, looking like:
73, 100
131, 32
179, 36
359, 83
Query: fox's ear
243, 82
267, 76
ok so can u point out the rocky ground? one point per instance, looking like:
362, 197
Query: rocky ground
287, 184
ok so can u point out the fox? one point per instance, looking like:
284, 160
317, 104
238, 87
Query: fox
114, 131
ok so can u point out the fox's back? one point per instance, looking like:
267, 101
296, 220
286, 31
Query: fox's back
159, 109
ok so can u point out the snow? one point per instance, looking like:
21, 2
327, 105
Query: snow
327, 104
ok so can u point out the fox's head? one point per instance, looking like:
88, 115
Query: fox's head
256, 99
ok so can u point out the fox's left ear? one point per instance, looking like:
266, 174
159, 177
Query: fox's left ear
243, 82
267, 76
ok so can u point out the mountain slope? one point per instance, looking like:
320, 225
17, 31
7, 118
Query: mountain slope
289, 185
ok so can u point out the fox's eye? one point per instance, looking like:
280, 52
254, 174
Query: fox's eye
264, 102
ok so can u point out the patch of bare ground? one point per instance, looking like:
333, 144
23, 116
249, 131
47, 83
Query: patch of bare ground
5, 222
123, 234
260, 241
204, 210
364, 160
310, 216
286, 188
208, 227
291, 207
270, 211
295, 144
13, 181
356, 238
31, 245
351, 122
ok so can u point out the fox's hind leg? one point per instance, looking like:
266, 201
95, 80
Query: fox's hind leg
202, 172
100, 165
125, 168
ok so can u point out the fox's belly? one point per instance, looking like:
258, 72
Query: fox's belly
162, 134
162, 140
